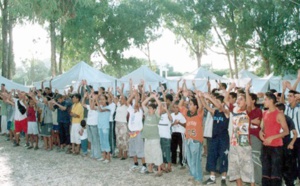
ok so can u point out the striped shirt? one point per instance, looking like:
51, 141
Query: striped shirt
294, 113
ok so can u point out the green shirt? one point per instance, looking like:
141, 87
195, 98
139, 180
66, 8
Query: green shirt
3, 108
150, 129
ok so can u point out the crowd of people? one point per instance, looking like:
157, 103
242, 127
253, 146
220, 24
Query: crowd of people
246, 137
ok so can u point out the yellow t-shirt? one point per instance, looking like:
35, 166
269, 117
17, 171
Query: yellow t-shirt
77, 109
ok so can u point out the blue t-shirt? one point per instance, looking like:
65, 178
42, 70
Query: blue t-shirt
63, 116
103, 118
220, 124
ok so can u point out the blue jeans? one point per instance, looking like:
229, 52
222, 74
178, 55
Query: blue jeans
64, 133
218, 150
112, 136
84, 146
95, 141
194, 158
166, 149
104, 139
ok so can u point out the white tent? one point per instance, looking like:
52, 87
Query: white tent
200, 76
202, 73
143, 73
12, 85
246, 74
81, 71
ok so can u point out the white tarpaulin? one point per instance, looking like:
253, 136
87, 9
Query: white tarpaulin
202, 73
13, 85
142, 73
81, 71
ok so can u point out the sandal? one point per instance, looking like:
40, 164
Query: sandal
158, 174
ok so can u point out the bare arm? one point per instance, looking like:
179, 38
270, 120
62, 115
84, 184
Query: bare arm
248, 99
291, 144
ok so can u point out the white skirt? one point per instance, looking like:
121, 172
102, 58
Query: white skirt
32, 128
153, 153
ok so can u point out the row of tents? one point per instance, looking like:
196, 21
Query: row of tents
97, 79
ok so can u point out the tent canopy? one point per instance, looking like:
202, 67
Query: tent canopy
80, 72
13, 85
202, 73
246, 74
143, 73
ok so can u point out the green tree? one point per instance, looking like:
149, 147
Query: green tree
193, 28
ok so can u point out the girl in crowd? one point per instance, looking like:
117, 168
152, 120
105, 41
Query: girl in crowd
121, 126
153, 153
103, 127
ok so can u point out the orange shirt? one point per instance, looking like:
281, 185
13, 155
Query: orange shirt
194, 125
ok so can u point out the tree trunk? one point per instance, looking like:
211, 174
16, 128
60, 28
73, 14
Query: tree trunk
266, 61
199, 57
148, 54
245, 66
236, 72
11, 62
267, 66
53, 47
5, 39
62, 44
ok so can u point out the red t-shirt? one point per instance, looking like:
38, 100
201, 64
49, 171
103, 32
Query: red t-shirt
31, 114
254, 129
272, 127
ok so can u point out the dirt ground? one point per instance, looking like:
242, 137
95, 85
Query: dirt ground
20, 166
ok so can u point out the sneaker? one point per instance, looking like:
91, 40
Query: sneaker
223, 182
106, 161
30, 147
26, 145
134, 168
16, 144
36, 148
209, 182
143, 170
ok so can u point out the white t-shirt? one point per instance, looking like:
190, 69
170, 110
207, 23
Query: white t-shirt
178, 128
121, 113
112, 108
135, 122
18, 115
294, 113
54, 117
84, 135
92, 117
164, 126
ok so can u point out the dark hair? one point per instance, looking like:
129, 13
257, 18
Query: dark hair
152, 105
90, 86
195, 102
293, 92
280, 106
83, 123
224, 85
3, 84
214, 90
254, 97
273, 91
279, 94
221, 98
271, 96
96, 92
169, 97
102, 88
215, 94
105, 98
176, 103
233, 95
78, 96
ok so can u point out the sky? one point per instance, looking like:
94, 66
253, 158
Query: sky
32, 41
